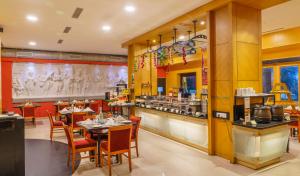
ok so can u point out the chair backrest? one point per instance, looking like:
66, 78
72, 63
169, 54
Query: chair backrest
62, 106
136, 121
28, 111
69, 135
95, 106
80, 104
50, 118
77, 117
119, 138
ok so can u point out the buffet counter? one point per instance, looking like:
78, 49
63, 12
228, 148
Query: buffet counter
185, 129
260, 145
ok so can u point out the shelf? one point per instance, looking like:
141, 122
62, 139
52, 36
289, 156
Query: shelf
256, 95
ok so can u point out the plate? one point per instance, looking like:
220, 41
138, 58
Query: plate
96, 125
126, 122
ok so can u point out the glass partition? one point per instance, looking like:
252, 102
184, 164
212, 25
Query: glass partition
290, 76
268, 79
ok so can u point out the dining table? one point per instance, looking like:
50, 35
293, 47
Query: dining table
67, 112
100, 128
21, 106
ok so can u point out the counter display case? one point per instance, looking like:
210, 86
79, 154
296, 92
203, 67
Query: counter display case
194, 108
184, 129
260, 146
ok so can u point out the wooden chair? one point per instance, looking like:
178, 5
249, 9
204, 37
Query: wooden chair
29, 112
77, 117
55, 126
60, 107
135, 131
118, 143
84, 145
95, 106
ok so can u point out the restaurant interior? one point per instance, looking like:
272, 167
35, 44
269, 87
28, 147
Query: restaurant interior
158, 88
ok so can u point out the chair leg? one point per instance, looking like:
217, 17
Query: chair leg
109, 163
51, 134
101, 158
120, 158
96, 157
129, 160
73, 161
69, 155
136, 147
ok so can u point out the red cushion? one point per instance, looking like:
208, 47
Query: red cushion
58, 123
85, 143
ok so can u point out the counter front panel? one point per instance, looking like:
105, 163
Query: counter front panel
187, 130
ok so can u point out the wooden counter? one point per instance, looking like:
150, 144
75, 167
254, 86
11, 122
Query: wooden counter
257, 147
184, 129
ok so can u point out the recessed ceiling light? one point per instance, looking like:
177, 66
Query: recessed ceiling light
32, 18
106, 28
154, 41
129, 8
181, 37
202, 22
32, 43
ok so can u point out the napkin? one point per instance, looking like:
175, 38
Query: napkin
88, 109
64, 110
120, 118
86, 100
77, 109
110, 122
88, 121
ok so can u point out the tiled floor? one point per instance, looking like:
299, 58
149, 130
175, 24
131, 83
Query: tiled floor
163, 157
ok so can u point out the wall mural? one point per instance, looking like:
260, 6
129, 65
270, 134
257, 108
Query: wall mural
30, 80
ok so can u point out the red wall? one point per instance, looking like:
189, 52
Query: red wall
6, 78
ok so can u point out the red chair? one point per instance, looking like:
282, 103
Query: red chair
55, 126
95, 106
29, 112
136, 121
77, 117
118, 143
74, 147
295, 125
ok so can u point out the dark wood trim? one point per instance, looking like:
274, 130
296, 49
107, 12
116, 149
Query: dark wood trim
281, 60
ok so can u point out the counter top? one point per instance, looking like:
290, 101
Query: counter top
173, 113
7, 117
261, 126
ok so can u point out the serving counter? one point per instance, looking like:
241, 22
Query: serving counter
260, 145
185, 129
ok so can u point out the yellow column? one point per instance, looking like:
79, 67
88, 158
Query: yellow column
235, 62
0, 81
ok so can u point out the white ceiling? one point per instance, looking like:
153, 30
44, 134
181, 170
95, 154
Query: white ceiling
86, 34
282, 16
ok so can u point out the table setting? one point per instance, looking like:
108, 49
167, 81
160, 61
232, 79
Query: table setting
98, 123
70, 110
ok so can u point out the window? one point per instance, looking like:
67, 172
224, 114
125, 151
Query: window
289, 75
268, 78
188, 83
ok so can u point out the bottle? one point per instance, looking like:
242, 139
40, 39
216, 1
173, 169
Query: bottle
100, 116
